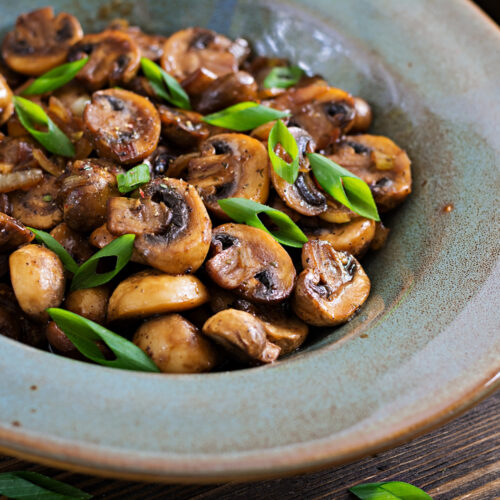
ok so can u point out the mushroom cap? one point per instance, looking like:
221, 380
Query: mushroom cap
230, 166
6, 103
250, 262
175, 345
40, 41
332, 286
363, 116
152, 292
91, 303
12, 233
122, 126
183, 128
74, 242
242, 335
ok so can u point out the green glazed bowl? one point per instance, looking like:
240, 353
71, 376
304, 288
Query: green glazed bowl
424, 347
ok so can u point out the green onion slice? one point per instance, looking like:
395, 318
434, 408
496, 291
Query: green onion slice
53, 140
282, 77
246, 211
244, 116
343, 186
55, 78
281, 135
83, 333
133, 179
390, 490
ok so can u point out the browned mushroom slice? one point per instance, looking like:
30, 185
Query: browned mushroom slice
336, 213
40, 41
171, 223
85, 190
160, 160
225, 91
250, 262
230, 165
121, 125
37, 207
12, 233
185, 129
363, 116
151, 292
260, 67
243, 335
303, 196
6, 104
114, 59
16, 153
176, 345
332, 286
23, 179
325, 112
354, 237
380, 238
73, 242
380, 163
190, 49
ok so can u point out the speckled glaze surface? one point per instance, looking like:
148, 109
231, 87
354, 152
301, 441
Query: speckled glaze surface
425, 346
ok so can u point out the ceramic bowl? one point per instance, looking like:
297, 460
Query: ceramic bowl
426, 344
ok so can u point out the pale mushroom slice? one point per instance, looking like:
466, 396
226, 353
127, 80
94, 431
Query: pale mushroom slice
6, 103
171, 225
114, 59
230, 166
91, 303
332, 286
12, 233
250, 262
40, 41
380, 163
121, 125
175, 345
152, 292
325, 112
243, 335
190, 49
303, 195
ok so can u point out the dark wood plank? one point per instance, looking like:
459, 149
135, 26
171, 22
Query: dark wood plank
459, 461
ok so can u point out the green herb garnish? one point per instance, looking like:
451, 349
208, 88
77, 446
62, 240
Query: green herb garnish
55, 78
87, 277
25, 485
53, 140
282, 77
391, 490
84, 333
343, 186
244, 116
281, 135
133, 179
247, 211
164, 85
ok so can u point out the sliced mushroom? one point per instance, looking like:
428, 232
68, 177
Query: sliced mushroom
243, 335
40, 41
152, 292
260, 67
114, 59
160, 160
5, 205
336, 213
303, 195
175, 345
16, 153
12, 233
190, 49
91, 303
230, 165
185, 129
23, 179
380, 163
250, 262
73, 241
37, 207
197, 82
121, 125
363, 116
380, 238
85, 190
325, 112
332, 286
6, 103
37, 277
171, 223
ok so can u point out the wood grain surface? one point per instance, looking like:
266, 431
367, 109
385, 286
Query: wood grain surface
459, 461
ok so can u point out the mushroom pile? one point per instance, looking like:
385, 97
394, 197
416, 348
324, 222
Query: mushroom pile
202, 291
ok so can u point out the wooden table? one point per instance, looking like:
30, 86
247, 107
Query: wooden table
459, 461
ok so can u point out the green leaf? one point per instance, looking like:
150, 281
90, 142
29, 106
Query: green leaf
52, 244
343, 186
84, 333
55, 78
87, 277
246, 211
244, 116
280, 134
25, 485
282, 77
133, 179
165, 85
53, 140
391, 490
